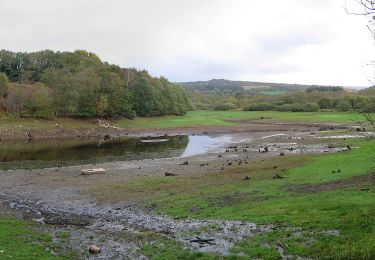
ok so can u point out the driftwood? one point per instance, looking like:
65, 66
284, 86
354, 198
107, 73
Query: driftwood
92, 171
154, 140
277, 176
169, 174
203, 240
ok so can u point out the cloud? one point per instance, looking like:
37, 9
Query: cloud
298, 41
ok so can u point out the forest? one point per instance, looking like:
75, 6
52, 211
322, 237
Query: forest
78, 84
310, 99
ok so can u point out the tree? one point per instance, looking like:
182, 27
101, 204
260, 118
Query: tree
368, 9
3, 85
325, 103
102, 105
79, 84
38, 102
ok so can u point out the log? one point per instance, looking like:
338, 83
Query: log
92, 171
169, 174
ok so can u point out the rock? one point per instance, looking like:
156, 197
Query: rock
94, 249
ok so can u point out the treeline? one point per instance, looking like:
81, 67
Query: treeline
324, 89
336, 99
79, 84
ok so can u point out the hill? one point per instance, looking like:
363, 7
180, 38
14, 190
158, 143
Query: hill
248, 86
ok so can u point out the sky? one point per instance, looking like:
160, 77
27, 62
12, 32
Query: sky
289, 41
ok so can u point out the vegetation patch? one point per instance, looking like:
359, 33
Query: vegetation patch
229, 118
21, 240
336, 220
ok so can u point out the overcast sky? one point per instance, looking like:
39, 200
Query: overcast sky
294, 41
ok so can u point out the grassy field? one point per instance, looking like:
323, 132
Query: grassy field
220, 118
324, 207
20, 240
19, 126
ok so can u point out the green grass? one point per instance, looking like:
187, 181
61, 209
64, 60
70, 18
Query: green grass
20, 240
349, 209
224, 118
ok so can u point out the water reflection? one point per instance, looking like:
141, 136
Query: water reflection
53, 153
202, 143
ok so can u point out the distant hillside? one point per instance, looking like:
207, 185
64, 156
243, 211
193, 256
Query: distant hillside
250, 86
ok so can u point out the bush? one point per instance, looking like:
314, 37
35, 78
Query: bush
344, 106
203, 106
3, 85
264, 106
225, 106
325, 103
311, 107
297, 107
285, 108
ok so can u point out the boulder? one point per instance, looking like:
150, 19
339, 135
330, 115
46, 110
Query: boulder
94, 249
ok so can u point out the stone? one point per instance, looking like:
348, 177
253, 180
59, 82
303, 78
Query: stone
94, 249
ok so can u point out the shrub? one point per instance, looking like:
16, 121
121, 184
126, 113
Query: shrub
285, 108
225, 106
297, 107
263, 106
311, 107
344, 105
325, 103
202, 106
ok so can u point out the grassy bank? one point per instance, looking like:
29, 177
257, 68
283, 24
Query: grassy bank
225, 118
18, 127
323, 207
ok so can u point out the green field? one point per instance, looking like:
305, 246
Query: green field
21, 240
220, 118
324, 207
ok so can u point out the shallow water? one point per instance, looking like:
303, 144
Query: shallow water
200, 144
54, 153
